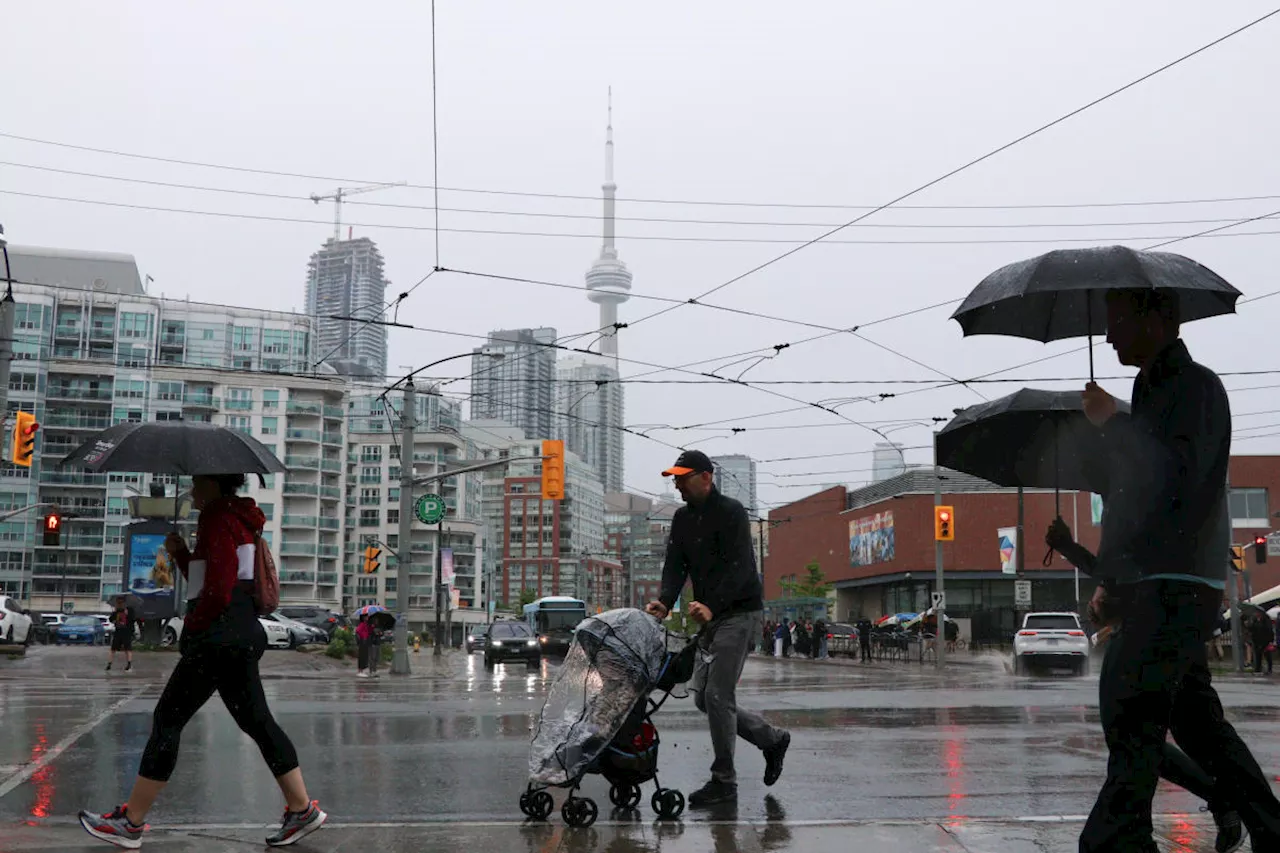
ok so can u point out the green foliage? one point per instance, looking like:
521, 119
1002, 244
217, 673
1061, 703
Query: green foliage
386, 652
342, 644
527, 596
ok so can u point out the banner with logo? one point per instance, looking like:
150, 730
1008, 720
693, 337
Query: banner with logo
1008, 537
446, 566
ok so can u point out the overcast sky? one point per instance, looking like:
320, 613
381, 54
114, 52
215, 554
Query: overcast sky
809, 103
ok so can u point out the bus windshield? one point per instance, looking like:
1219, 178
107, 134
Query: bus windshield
559, 620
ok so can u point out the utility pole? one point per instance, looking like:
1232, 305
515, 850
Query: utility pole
440, 589
404, 555
939, 612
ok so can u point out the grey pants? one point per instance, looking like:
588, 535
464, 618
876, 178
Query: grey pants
715, 681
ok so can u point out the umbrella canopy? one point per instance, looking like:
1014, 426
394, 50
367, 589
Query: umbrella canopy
1248, 610
370, 609
380, 617
1062, 294
174, 447
1030, 438
895, 619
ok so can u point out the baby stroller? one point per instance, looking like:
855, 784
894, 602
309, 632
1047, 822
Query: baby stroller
598, 717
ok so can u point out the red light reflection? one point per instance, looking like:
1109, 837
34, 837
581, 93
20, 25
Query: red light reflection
953, 760
43, 778
1186, 833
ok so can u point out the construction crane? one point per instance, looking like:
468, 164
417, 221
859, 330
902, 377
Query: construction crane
343, 192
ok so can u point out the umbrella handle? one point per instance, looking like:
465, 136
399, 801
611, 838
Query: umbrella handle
1048, 558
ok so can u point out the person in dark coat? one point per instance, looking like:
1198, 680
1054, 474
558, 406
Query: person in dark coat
864, 638
1263, 634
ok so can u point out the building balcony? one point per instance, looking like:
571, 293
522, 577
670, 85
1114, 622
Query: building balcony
56, 569
334, 413
60, 420
66, 331
312, 435
296, 488
328, 523
333, 466
327, 578
200, 401
311, 463
173, 341
61, 478
328, 552
88, 395
297, 407
333, 438
102, 333
297, 549
93, 543
332, 493
232, 405
304, 521
293, 576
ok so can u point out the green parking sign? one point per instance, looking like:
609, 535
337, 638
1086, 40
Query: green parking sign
429, 509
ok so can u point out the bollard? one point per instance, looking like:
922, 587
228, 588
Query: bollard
417, 644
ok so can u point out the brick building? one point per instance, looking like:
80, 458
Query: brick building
875, 544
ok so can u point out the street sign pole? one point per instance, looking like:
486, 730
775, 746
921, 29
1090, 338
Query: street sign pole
940, 639
404, 549
439, 650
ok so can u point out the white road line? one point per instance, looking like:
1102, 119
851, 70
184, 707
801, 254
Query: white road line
74, 735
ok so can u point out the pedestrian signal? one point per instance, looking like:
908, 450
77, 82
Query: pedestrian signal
24, 439
552, 470
52, 529
1237, 557
371, 557
1259, 549
944, 529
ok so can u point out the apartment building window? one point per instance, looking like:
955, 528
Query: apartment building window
268, 510
270, 426
391, 583
393, 516
171, 391
370, 517
370, 475
393, 474
242, 338
242, 363
172, 331
371, 497
168, 416
275, 342
371, 453
271, 398
134, 357
241, 423
22, 382
132, 389
1250, 505
135, 325
393, 495
240, 399
29, 316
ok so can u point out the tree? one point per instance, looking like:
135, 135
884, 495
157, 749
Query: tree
813, 585
528, 595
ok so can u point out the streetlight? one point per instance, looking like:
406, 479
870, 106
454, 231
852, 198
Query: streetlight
404, 559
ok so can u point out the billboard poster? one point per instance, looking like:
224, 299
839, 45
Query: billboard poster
150, 572
1008, 537
871, 539
446, 566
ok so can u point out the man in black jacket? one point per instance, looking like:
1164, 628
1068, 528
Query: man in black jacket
710, 545
1165, 534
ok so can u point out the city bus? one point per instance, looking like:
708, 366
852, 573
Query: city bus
552, 620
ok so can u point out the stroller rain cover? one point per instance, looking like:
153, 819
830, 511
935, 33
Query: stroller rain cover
614, 662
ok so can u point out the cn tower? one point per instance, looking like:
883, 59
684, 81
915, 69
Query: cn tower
609, 280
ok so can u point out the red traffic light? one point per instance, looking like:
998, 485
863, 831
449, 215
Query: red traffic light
1259, 540
944, 516
52, 522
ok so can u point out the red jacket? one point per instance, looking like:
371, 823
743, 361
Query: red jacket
226, 526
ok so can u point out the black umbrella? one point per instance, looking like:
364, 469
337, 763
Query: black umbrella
1062, 294
1030, 438
186, 448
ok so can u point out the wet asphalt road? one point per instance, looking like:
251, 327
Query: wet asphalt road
449, 745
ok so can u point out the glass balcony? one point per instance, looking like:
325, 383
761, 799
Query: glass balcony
327, 523
331, 465
295, 407
304, 521
327, 551
331, 492
303, 435
298, 549
66, 330
173, 341
333, 438
201, 401
238, 405
327, 578
67, 392
294, 488
311, 463
297, 577
62, 420
334, 413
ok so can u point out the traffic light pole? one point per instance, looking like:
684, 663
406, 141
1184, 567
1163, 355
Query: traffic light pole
7, 310
404, 547
439, 632
940, 612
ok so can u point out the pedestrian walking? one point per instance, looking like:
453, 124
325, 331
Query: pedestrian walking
375, 649
222, 642
1164, 534
780, 640
1263, 635
864, 639
1175, 765
121, 634
364, 632
710, 545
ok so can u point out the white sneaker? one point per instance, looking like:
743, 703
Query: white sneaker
364, 673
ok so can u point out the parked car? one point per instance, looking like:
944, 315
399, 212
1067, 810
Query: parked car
81, 629
106, 623
842, 639
277, 633
476, 638
317, 617
1051, 640
15, 622
300, 634
511, 641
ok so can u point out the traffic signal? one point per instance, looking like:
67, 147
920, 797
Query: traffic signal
1259, 549
552, 470
24, 439
944, 524
1237, 557
52, 529
371, 555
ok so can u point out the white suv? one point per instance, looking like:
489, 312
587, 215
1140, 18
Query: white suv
15, 624
1051, 640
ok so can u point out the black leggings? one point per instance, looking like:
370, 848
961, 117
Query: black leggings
232, 671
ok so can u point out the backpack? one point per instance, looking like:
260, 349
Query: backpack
266, 582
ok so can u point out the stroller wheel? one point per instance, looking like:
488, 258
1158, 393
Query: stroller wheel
579, 811
668, 803
624, 796
540, 805
525, 803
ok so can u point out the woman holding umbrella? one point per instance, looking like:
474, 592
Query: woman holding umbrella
222, 642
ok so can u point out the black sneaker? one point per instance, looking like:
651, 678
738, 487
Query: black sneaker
773, 757
108, 666
1230, 832
713, 793
298, 825
128, 665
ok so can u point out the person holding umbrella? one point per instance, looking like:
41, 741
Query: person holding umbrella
1165, 535
221, 645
